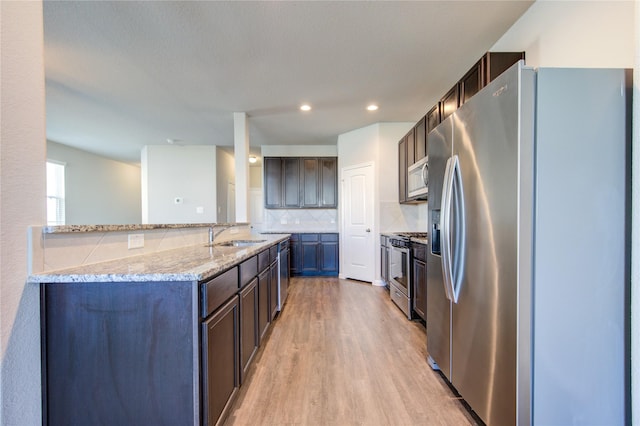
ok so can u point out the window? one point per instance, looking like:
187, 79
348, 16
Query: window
55, 193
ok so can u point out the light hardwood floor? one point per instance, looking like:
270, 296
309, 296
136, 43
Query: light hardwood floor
341, 353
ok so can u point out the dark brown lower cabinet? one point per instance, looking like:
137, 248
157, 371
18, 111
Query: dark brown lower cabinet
264, 312
141, 352
249, 338
315, 254
115, 353
419, 280
220, 366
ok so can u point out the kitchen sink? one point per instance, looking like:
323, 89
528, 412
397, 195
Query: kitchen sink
239, 243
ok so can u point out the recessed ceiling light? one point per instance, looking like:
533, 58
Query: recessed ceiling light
305, 107
372, 107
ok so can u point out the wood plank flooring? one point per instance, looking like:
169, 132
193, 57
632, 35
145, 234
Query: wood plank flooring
341, 353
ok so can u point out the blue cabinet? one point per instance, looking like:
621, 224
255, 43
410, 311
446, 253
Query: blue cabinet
314, 254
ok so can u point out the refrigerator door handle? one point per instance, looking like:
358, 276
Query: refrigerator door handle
445, 228
457, 256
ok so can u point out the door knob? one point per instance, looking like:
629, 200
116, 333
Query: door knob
368, 230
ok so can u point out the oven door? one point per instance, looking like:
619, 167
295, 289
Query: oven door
399, 269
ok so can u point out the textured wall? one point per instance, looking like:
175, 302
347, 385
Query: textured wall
186, 172
22, 203
589, 34
98, 190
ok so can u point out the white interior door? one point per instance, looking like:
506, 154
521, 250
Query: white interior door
358, 248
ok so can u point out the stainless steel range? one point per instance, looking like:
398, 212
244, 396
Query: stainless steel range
399, 270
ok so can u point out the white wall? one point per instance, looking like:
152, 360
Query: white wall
225, 173
22, 203
595, 34
186, 172
98, 190
255, 176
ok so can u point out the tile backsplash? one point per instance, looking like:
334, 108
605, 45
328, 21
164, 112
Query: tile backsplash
300, 219
58, 251
396, 217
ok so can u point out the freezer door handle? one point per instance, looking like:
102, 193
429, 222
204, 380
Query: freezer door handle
453, 229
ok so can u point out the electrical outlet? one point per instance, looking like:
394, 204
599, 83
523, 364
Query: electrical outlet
136, 241
199, 210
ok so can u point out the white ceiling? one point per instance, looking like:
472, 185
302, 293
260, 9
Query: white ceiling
121, 75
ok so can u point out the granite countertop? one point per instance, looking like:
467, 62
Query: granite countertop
63, 229
191, 263
418, 240
301, 231
424, 241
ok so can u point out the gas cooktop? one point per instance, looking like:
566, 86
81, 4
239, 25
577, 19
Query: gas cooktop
412, 234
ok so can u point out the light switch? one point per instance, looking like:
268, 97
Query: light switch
199, 209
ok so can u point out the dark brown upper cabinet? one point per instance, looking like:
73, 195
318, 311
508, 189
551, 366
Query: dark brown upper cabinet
433, 118
471, 83
449, 103
402, 170
495, 63
415, 144
319, 180
411, 147
420, 136
294, 182
273, 183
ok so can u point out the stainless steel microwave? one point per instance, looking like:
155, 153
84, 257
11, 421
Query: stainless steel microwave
418, 179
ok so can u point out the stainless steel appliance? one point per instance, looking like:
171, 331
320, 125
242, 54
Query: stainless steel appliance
283, 273
418, 179
526, 268
399, 272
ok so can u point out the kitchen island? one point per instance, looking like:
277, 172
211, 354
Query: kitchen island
161, 338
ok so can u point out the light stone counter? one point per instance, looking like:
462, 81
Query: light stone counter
191, 263
64, 229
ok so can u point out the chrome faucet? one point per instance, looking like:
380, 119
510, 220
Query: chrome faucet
213, 234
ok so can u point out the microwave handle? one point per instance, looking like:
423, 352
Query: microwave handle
425, 174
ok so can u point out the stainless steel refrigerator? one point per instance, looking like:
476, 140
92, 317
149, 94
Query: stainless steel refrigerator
527, 271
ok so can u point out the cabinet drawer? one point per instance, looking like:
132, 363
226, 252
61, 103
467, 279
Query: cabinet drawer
273, 253
329, 238
309, 237
248, 270
263, 260
419, 251
215, 291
